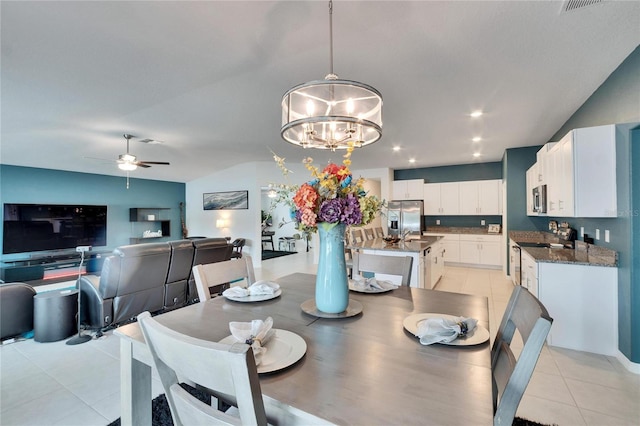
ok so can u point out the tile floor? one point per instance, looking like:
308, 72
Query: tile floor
56, 384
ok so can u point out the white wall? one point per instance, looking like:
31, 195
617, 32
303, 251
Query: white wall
253, 177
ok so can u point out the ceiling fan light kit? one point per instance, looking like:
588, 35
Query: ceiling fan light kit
331, 113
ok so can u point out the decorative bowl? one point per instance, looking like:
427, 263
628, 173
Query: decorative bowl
391, 240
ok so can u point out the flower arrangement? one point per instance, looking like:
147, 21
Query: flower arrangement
331, 197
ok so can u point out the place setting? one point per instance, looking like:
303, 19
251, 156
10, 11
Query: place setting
445, 329
257, 292
274, 349
370, 285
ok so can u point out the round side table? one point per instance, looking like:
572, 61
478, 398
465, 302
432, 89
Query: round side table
54, 315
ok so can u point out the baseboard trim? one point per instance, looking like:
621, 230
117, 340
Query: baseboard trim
633, 367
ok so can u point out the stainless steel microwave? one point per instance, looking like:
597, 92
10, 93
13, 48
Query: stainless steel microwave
540, 199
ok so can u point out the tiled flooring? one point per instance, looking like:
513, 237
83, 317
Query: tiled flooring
57, 384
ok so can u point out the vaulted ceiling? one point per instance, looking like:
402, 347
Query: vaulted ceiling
206, 78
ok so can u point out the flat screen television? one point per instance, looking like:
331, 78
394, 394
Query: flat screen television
43, 227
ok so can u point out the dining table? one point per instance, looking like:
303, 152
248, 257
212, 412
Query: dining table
360, 369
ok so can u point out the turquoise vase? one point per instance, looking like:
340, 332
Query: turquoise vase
332, 285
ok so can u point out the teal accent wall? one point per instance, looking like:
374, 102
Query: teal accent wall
632, 333
43, 186
462, 172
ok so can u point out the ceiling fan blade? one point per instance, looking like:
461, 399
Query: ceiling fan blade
106, 160
139, 164
162, 163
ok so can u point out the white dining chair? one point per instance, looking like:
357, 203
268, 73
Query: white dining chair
530, 318
356, 236
214, 274
227, 372
369, 234
389, 265
379, 232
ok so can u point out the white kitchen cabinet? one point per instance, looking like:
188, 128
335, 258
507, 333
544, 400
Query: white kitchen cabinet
582, 174
532, 180
450, 244
411, 189
542, 164
483, 197
529, 273
441, 199
483, 250
581, 299
514, 261
437, 263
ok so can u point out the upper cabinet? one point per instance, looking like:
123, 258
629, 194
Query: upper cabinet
532, 182
441, 199
482, 197
411, 189
581, 174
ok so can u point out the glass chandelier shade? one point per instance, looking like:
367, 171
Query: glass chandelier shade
127, 162
331, 113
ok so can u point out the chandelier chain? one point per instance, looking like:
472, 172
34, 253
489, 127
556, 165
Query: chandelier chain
331, 37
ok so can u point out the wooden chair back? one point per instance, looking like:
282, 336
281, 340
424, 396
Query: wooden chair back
356, 236
369, 234
215, 274
390, 265
530, 318
379, 232
228, 372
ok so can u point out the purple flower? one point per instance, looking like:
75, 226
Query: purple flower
351, 214
331, 210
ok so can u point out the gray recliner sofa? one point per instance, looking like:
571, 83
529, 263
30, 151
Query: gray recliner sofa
132, 281
16, 309
152, 277
176, 286
207, 250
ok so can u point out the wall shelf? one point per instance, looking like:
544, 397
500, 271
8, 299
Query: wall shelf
152, 219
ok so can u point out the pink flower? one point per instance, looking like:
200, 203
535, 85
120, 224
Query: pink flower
308, 217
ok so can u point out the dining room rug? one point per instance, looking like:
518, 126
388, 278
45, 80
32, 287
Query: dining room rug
270, 254
161, 415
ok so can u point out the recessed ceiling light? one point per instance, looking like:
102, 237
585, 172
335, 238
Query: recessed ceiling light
412, 160
396, 148
477, 139
476, 114
476, 154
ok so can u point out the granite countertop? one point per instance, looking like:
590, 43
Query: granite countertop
583, 254
479, 230
413, 246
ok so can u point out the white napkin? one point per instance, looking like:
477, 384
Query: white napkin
257, 288
255, 333
441, 330
371, 284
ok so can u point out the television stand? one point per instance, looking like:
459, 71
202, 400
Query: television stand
39, 266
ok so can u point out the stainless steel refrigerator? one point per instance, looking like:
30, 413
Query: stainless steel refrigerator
405, 217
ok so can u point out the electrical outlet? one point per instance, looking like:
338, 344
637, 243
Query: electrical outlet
597, 234
437, 221
482, 222
581, 231
607, 236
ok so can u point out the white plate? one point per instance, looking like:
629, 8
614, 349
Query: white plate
352, 287
477, 336
256, 298
283, 349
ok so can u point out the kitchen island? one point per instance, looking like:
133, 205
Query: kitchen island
427, 266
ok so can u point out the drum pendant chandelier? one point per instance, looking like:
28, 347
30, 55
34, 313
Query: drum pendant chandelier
331, 113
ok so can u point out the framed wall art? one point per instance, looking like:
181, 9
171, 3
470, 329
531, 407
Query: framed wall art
228, 200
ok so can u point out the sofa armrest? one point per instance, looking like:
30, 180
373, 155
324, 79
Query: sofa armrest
96, 311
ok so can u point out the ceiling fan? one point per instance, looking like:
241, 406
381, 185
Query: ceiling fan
130, 162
